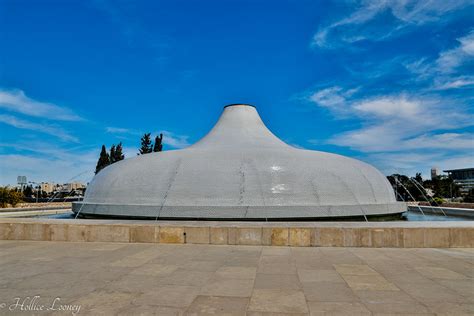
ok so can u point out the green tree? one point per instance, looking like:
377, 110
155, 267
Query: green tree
112, 154
418, 178
443, 187
406, 188
104, 160
158, 143
146, 145
469, 198
28, 191
118, 153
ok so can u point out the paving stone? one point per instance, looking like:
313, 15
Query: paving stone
145, 310
154, 269
463, 287
165, 279
186, 277
103, 303
168, 295
276, 251
369, 282
439, 273
355, 269
277, 281
429, 292
209, 266
278, 300
236, 272
320, 275
277, 268
217, 305
328, 292
252, 313
374, 297
397, 308
337, 308
446, 308
228, 287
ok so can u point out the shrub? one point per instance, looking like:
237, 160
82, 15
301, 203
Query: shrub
9, 197
438, 200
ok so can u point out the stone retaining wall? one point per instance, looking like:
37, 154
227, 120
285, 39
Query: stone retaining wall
337, 234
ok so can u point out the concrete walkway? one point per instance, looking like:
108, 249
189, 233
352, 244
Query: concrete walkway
163, 279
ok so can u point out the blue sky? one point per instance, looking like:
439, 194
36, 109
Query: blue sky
387, 82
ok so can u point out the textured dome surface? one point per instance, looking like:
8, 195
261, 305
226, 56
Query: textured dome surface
239, 170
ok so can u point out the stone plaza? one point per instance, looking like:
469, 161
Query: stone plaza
190, 279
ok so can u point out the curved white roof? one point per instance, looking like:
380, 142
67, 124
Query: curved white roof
239, 170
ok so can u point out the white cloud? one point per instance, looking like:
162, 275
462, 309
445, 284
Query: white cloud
333, 97
329, 97
460, 141
47, 129
17, 101
388, 106
174, 140
448, 70
450, 60
405, 13
453, 83
117, 130
401, 123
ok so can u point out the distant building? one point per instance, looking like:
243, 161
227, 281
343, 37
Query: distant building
72, 186
434, 173
47, 187
462, 177
50, 187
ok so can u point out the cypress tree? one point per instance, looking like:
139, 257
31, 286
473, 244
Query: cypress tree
112, 154
103, 161
158, 143
146, 145
118, 153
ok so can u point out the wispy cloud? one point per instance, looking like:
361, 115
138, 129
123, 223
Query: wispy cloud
175, 140
449, 71
397, 16
117, 130
43, 128
17, 101
449, 60
397, 122
401, 133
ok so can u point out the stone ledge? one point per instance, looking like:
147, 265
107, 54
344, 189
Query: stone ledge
316, 234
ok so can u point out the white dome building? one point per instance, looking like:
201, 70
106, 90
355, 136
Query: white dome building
239, 170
